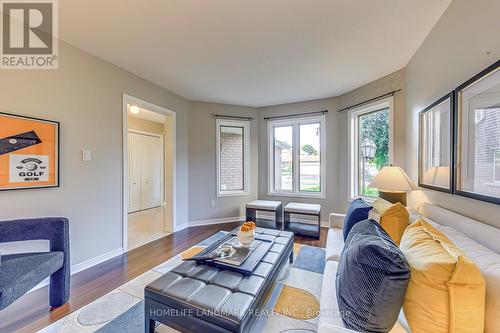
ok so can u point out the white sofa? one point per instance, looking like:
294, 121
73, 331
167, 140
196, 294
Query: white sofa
480, 242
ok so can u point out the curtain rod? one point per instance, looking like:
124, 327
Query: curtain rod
297, 115
370, 100
231, 117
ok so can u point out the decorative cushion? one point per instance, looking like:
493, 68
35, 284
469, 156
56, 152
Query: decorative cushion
358, 211
264, 204
394, 220
381, 205
303, 208
372, 278
446, 293
488, 262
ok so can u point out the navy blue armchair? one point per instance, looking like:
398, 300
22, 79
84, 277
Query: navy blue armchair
19, 273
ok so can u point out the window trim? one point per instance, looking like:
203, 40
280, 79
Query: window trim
495, 181
353, 141
245, 124
295, 122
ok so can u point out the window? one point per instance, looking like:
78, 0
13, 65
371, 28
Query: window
233, 157
370, 145
297, 157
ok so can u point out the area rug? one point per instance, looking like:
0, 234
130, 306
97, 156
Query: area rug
292, 306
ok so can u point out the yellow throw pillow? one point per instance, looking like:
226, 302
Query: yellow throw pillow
394, 219
446, 293
381, 205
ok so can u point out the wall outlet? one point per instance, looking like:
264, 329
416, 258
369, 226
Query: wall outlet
212, 203
86, 155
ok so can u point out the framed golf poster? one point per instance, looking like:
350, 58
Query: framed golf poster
29, 152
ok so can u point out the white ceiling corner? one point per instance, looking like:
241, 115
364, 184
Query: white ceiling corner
252, 53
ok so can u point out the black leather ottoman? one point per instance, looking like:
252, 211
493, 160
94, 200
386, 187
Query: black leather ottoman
201, 298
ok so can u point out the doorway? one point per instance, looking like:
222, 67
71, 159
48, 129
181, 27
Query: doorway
148, 172
145, 168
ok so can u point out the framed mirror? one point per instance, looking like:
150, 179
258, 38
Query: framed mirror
477, 152
435, 145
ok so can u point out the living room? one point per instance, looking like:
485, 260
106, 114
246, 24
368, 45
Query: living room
282, 113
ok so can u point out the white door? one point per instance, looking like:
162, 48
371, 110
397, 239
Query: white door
145, 167
134, 168
151, 172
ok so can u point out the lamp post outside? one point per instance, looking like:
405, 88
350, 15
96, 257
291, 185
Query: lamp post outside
367, 150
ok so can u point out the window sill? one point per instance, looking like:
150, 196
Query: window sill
366, 199
297, 195
233, 194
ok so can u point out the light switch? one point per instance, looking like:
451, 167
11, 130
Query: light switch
86, 155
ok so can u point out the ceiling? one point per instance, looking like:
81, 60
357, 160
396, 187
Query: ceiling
252, 52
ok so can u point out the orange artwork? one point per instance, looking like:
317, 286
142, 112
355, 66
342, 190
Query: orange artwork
29, 152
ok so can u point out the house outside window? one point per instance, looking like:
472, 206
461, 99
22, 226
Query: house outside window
233, 157
370, 145
297, 157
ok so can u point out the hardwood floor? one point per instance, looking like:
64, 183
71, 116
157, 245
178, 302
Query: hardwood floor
31, 312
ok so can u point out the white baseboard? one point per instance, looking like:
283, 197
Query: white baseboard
84, 265
216, 221
182, 226
95, 261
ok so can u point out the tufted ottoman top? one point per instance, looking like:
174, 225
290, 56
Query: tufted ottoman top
224, 298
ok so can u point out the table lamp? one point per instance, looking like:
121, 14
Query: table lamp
392, 184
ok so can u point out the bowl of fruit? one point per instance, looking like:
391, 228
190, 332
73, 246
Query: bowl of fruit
246, 234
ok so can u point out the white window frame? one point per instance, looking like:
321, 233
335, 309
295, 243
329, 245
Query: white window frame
295, 122
495, 181
353, 141
245, 124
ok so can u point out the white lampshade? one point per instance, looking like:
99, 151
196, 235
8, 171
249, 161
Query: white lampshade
392, 178
438, 175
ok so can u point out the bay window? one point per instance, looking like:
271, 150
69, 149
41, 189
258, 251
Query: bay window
233, 157
370, 145
297, 156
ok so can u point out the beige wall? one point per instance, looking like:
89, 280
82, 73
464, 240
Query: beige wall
454, 51
85, 95
334, 142
202, 163
145, 125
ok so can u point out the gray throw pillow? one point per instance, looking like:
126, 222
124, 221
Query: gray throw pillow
372, 279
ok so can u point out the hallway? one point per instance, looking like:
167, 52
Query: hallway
146, 226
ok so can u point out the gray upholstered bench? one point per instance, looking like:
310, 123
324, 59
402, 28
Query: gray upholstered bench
299, 228
194, 297
266, 206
